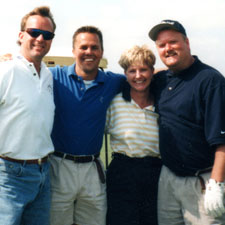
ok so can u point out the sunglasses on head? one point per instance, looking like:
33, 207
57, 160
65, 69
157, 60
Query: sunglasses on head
37, 32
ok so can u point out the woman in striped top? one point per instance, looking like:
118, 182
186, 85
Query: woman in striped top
132, 176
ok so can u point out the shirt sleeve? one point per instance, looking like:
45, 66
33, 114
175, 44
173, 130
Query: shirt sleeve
6, 69
214, 103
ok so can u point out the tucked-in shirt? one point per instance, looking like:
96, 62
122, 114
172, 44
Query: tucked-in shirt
133, 130
191, 105
81, 112
26, 110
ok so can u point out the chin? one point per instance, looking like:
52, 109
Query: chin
89, 70
169, 65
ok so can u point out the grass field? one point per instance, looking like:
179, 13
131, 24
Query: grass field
103, 154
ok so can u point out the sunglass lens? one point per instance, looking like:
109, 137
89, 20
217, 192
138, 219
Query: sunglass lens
48, 35
33, 33
36, 32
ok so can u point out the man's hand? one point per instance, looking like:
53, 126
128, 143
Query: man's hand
214, 197
5, 57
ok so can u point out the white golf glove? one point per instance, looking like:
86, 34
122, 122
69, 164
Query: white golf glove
214, 197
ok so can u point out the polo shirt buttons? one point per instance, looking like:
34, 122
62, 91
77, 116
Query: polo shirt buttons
170, 88
34, 74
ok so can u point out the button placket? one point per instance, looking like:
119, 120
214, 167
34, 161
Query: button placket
35, 76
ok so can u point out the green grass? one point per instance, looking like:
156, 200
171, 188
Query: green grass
103, 151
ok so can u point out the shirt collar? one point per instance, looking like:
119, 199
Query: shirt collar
171, 73
100, 78
150, 107
24, 60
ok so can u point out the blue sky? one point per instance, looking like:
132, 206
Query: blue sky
124, 23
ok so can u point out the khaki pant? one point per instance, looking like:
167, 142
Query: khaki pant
180, 201
78, 196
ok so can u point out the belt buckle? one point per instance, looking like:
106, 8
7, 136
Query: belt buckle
39, 161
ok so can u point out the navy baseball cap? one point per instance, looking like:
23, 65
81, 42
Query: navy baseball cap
166, 25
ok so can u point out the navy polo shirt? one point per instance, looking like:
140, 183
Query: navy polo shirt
80, 114
191, 105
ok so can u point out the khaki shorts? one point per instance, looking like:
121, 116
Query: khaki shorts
78, 196
181, 202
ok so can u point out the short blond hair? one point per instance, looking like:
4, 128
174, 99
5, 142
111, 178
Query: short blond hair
137, 54
43, 11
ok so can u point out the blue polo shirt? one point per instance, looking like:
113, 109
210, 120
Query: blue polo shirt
191, 105
80, 114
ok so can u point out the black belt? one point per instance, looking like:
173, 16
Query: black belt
149, 159
198, 174
29, 161
84, 159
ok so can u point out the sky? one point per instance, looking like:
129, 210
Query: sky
124, 23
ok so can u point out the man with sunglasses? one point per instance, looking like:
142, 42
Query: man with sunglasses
26, 118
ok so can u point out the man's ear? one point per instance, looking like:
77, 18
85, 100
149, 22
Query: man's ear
73, 51
21, 35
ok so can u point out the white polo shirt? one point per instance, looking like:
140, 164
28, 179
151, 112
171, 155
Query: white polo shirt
26, 110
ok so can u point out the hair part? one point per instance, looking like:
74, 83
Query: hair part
137, 54
88, 29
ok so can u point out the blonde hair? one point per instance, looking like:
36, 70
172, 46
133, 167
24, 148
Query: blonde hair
137, 54
43, 11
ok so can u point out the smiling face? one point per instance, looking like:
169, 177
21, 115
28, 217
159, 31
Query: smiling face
87, 52
34, 49
174, 50
139, 76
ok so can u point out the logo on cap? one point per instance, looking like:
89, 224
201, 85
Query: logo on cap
166, 25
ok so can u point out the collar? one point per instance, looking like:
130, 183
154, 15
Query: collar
26, 62
150, 107
100, 78
177, 74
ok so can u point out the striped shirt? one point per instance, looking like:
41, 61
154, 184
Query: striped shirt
133, 131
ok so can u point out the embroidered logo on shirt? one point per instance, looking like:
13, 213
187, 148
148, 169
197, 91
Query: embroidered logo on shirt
101, 99
50, 89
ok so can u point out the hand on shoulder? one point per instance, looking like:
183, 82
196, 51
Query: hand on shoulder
5, 57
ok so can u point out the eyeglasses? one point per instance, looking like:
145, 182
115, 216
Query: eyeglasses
37, 32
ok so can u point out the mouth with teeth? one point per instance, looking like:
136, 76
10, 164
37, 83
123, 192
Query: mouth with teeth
139, 81
170, 54
38, 46
88, 60
139, 85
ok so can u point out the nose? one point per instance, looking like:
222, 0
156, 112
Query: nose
168, 47
138, 74
88, 51
40, 37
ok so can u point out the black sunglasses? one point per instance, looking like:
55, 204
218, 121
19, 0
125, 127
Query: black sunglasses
36, 32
